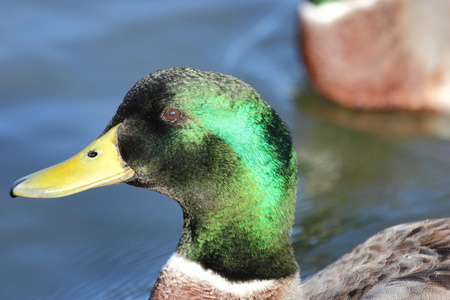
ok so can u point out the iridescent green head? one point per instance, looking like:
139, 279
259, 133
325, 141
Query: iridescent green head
210, 142
225, 156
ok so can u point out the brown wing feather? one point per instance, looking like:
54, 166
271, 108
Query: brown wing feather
408, 261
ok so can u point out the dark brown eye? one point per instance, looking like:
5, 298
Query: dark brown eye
172, 114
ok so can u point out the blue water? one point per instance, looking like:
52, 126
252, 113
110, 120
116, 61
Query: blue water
64, 69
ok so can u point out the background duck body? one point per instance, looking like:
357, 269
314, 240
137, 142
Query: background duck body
210, 142
379, 54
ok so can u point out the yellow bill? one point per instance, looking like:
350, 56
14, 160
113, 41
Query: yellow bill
99, 164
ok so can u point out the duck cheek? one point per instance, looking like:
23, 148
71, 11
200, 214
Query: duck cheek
146, 158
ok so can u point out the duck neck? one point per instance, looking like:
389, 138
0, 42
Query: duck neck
242, 231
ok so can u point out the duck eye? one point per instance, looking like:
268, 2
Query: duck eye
172, 114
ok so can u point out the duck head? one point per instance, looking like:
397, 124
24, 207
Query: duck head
210, 142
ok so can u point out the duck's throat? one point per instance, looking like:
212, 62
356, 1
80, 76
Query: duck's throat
242, 241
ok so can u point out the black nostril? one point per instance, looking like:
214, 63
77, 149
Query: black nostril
92, 154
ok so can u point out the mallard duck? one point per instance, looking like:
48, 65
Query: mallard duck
210, 142
378, 54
